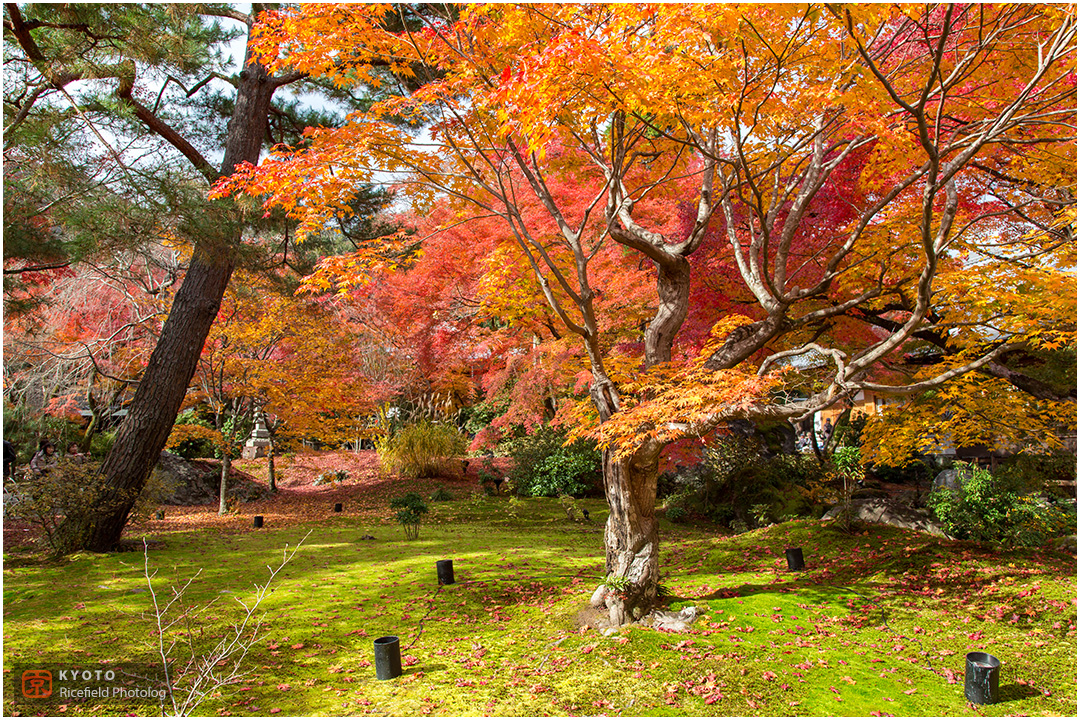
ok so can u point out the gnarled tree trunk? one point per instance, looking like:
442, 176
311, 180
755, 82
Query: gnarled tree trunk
632, 534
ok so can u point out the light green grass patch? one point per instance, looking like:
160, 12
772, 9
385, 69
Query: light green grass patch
877, 623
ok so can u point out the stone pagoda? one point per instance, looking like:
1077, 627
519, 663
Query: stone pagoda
258, 445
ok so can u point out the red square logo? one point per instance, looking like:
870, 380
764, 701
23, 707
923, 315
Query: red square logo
37, 684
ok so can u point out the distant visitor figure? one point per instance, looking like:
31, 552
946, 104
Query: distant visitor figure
9, 458
44, 459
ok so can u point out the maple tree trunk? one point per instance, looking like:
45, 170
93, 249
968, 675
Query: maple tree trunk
226, 462
272, 475
172, 364
632, 534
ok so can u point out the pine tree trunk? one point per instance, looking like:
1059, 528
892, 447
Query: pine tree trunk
164, 384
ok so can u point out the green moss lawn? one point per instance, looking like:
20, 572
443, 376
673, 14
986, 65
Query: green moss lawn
878, 623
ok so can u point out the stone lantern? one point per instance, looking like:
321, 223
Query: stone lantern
258, 445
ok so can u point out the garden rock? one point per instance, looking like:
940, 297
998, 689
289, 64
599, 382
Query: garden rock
891, 512
952, 478
197, 483
673, 621
1066, 544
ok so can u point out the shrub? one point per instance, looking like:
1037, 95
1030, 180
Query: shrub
410, 508
675, 514
1036, 473
989, 509
102, 443
847, 462
420, 450
544, 466
737, 483
920, 471
63, 501
571, 508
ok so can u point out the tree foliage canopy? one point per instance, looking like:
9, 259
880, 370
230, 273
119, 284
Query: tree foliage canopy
865, 184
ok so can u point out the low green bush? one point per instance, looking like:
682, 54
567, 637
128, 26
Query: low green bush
543, 465
410, 509
986, 508
420, 450
62, 501
737, 483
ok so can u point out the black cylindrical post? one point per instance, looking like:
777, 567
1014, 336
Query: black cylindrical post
338, 507
445, 569
794, 558
387, 657
257, 521
981, 678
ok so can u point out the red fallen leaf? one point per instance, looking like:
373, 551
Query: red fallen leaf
912, 691
297, 646
587, 649
80, 606
284, 686
409, 660
950, 676
275, 711
273, 646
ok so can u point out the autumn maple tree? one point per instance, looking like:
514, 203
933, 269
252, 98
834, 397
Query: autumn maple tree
864, 182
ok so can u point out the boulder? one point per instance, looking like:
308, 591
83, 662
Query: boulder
952, 478
195, 482
673, 621
891, 512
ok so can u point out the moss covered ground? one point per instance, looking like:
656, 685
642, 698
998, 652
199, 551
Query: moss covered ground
878, 622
